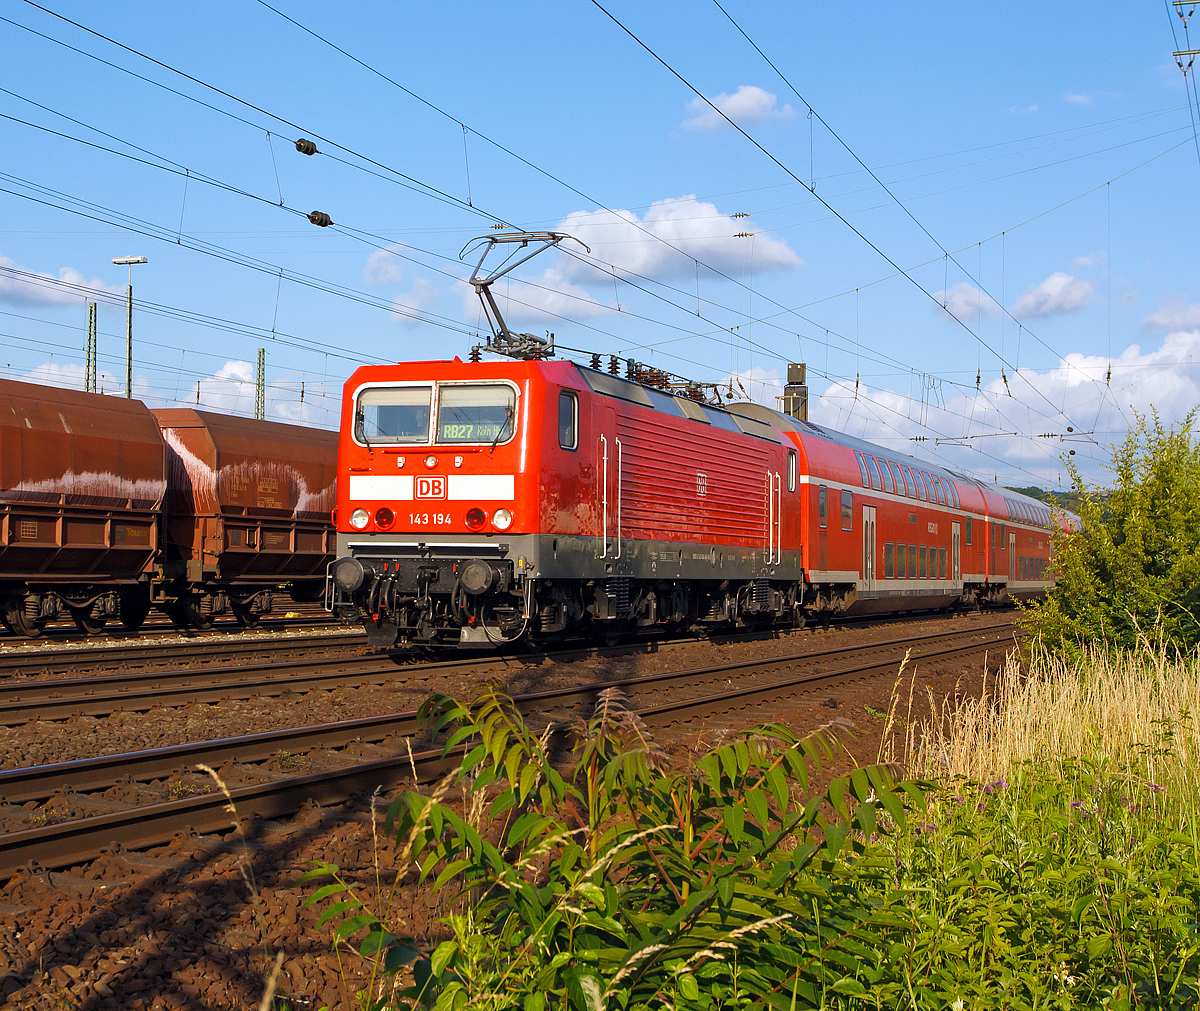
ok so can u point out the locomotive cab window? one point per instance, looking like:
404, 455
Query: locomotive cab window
847, 510
791, 470
568, 420
477, 413
823, 506
390, 415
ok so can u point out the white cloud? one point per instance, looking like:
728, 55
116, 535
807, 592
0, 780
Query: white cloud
1059, 293
384, 266
542, 301
966, 302
418, 298
1092, 259
1166, 378
695, 227
749, 104
1175, 313
1078, 98
46, 289
1014, 110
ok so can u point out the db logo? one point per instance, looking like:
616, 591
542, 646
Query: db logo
431, 487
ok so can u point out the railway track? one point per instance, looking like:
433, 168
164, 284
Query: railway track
166, 658
61, 698
353, 757
64, 637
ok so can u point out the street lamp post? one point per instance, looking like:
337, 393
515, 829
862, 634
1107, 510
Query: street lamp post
129, 261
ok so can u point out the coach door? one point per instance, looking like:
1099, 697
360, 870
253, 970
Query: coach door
868, 559
608, 481
955, 560
1012, 558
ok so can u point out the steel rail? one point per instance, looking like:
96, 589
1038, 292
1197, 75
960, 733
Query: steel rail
76, 841
34, 659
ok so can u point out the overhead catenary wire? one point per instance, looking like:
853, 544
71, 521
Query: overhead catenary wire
917, 284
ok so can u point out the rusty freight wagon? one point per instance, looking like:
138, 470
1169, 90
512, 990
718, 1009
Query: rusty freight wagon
247, 511
108, 510
82, 480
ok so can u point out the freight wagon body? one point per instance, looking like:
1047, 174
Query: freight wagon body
247, 510
108, 509
482, 502
82, 480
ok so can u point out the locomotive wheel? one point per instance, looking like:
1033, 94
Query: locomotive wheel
246, 617
17, 623
84, 621
135, 606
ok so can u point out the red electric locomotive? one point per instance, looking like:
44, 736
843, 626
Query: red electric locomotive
479, 502
482, 502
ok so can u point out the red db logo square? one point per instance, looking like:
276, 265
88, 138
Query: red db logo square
431, 487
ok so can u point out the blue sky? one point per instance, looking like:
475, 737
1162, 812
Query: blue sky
1045, 152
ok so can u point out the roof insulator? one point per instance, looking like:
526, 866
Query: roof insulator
320, 219
305, 146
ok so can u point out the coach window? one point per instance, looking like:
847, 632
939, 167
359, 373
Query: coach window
924, 561
953, 494
899, 476
393, 414
901, 561
823, 506
912, 561
968, 532
941, 490
791, 470
920, 485
876, 481
847, 510
887, 476
478, 412
889, 560
568, 420
862, 469
941, 563
909, 483
1003, 536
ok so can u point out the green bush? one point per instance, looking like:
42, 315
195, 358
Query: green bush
1135, 566
627, 885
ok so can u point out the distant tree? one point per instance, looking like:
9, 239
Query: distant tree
1135, 565
1061, 499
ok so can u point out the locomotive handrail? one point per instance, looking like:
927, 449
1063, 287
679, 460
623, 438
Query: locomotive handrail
617, 440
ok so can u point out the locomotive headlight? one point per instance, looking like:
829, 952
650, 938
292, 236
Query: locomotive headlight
431, 461
502, 519
359, 519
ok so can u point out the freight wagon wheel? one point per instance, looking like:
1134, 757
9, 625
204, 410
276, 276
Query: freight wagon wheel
188, 615
246, 617
84, 621
19, 624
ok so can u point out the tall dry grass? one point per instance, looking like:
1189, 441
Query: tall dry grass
1136, 711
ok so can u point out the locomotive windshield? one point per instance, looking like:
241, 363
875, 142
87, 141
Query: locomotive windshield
394, 414
476, 413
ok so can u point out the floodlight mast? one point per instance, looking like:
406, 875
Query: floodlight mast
522, 346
